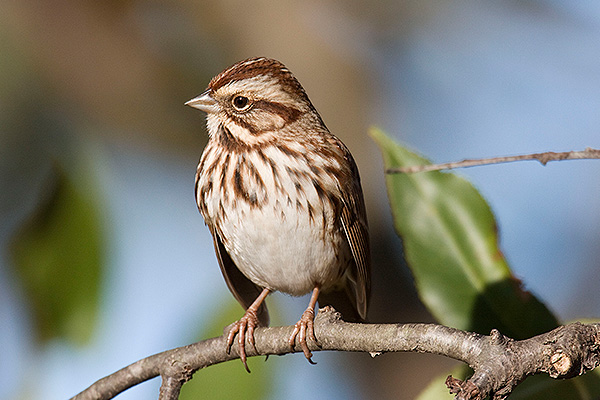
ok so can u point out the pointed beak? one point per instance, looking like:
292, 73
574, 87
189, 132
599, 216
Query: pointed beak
203, 102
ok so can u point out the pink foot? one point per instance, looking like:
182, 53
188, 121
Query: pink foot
304, 328
244, 327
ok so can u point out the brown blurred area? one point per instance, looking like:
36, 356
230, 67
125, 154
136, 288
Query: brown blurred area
120, 71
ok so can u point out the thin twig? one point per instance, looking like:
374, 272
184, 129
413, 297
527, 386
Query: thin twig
543, 158
499, 363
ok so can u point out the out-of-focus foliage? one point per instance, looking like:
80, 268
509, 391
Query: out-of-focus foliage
57, 256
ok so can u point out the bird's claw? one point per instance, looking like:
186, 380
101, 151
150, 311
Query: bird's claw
303, 329
244, 327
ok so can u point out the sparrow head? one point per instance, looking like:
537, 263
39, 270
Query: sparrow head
253, 97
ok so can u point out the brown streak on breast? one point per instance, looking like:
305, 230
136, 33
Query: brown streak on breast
288, 152
271, 164
311, 212
237, 181
244, 171
228, 141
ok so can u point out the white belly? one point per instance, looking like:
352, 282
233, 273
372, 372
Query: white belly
284, 251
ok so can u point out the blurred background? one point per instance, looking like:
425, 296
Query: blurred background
104, 258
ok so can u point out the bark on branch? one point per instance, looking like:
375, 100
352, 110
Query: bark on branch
499, 363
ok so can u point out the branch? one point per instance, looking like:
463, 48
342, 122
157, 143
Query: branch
499, 363
543, 158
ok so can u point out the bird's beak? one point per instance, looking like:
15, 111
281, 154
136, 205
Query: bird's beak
203, 102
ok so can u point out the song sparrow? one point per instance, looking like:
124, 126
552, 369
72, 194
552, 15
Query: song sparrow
282, 199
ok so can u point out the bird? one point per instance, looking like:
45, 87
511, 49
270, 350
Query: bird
282, 198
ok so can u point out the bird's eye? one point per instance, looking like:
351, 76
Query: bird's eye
241, 102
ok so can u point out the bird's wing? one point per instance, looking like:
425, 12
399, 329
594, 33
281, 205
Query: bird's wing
355, 227
354, 222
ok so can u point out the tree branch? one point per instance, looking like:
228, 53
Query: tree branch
499, 363
543, 158
170, 388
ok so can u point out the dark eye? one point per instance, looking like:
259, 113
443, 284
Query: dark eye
240, 102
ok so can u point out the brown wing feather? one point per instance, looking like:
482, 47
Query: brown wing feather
359, 277
243, 289
354, 222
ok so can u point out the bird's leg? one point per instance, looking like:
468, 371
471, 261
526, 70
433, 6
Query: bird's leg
305, 327
245, 327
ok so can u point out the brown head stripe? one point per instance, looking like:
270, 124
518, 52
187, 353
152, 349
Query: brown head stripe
255, 67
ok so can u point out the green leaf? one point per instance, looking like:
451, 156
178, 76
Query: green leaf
450, 242
57, 257
229, 380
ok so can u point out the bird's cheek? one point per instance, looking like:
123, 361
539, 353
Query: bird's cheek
265, 121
